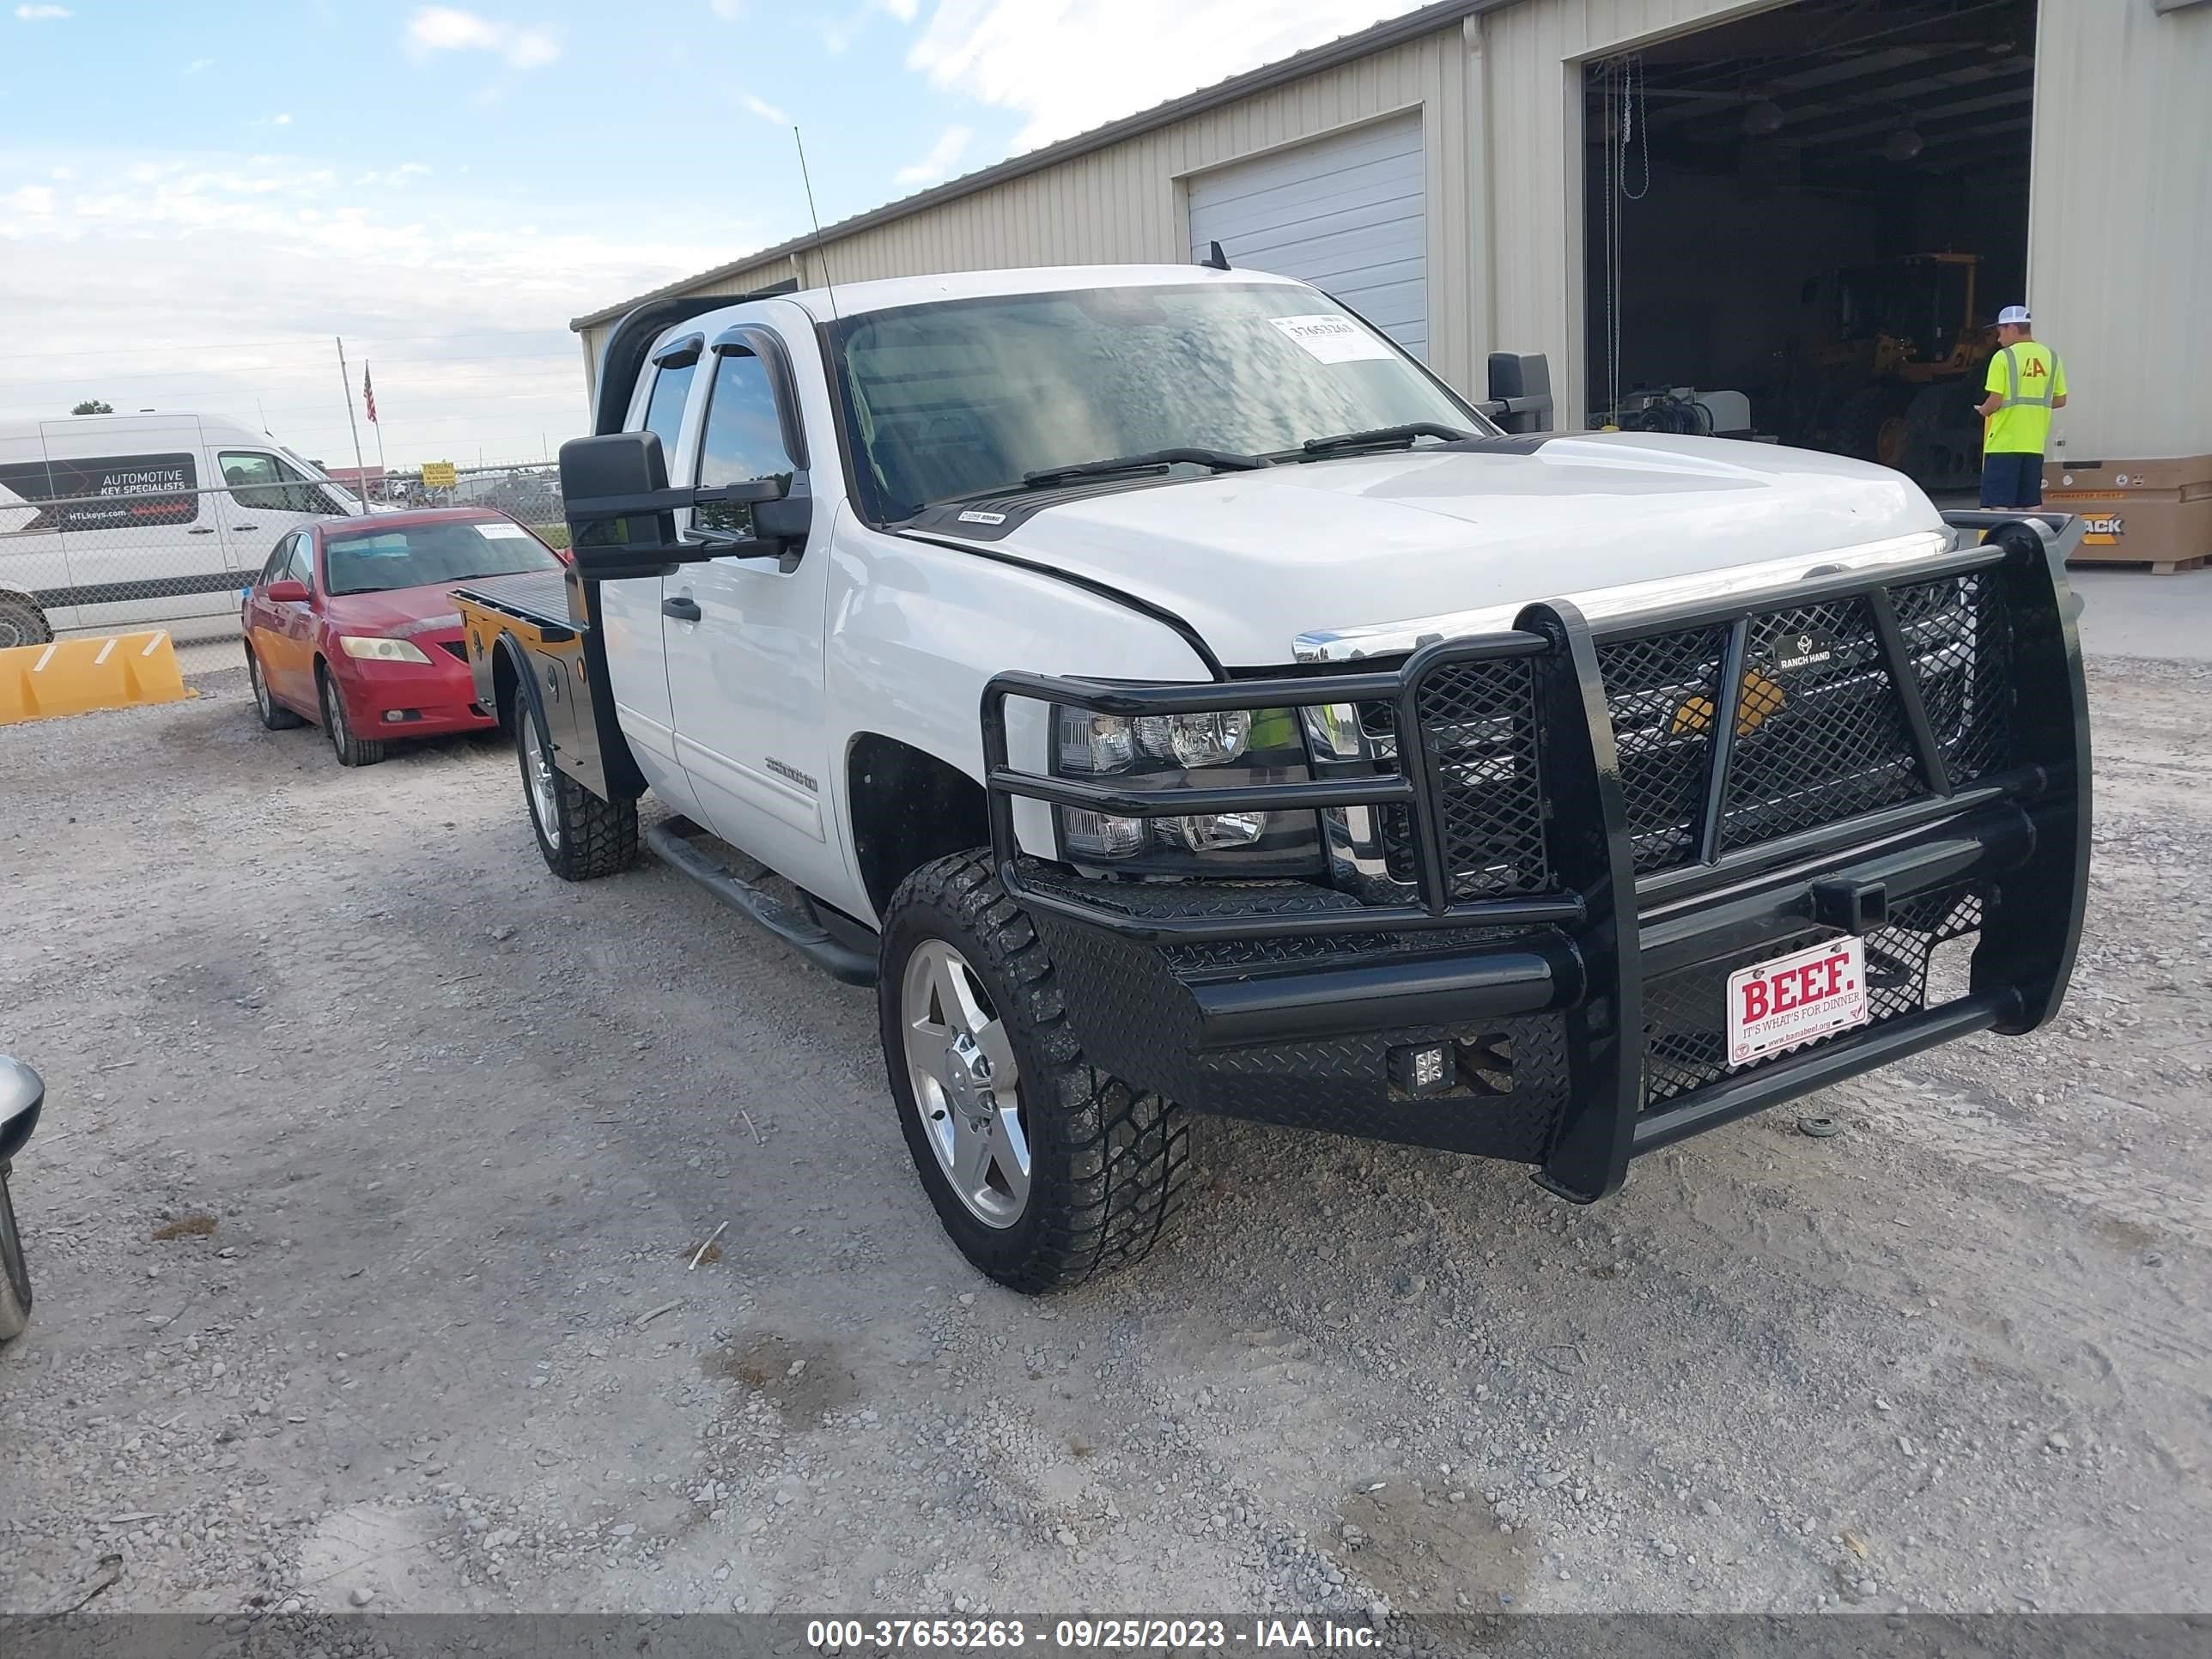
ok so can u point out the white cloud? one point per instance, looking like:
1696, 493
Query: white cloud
42, 14
443, 28
197, 64
766, 111
839, 33
282, 120
728, 10
944, 155
397, 175
463, 303
1072, 65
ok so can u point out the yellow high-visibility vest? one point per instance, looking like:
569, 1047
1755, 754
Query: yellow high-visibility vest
2030, 378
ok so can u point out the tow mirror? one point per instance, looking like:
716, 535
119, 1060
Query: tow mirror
1520, 391
620, 509
21, 1093
781, 517
622, 512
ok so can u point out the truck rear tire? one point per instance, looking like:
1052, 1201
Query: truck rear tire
1083, 1173
15, 1277
580, 837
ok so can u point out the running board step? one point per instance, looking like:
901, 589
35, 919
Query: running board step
802, 934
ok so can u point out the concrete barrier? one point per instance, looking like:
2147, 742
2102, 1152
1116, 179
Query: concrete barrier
75, 676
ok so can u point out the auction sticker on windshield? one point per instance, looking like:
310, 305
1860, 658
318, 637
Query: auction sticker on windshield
1332, 339
1787, 1000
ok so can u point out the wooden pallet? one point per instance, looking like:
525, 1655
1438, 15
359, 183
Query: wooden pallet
2156, 567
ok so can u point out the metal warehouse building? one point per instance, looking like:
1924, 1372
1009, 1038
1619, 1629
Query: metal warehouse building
1813, 203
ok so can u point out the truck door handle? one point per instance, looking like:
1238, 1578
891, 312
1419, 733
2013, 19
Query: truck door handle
681, 609
205, 530
246, 527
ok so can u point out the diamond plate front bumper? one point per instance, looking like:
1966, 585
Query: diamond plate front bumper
1579, 1001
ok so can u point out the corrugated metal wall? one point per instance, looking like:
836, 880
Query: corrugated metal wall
2121, 222
2119, 261
1124, 204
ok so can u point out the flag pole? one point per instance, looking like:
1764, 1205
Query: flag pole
361, 467
384, 473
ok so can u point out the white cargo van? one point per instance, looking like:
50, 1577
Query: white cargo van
120, 520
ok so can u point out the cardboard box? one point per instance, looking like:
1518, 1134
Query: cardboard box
2155, 512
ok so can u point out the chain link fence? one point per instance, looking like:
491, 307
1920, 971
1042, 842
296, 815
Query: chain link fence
530, 494
144, 541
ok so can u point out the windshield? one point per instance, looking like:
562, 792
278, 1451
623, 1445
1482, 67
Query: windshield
422, 555
964, 396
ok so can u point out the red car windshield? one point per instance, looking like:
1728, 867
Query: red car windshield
425, 555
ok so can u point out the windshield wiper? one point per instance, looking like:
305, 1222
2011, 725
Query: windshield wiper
1152, 460
1394, 436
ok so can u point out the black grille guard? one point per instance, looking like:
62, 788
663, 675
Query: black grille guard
1598, 928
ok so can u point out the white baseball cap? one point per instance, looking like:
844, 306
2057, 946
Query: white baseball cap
2013, 314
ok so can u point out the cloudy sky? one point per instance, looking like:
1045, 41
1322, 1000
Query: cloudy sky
196, 197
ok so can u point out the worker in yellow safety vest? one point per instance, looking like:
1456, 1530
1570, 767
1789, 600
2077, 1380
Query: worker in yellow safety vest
2026, 382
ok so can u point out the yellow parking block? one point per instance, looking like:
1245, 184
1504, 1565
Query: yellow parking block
74, 677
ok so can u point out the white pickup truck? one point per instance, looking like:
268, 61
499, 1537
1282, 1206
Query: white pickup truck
1172, 697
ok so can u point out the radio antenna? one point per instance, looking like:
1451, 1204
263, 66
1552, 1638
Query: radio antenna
828, 287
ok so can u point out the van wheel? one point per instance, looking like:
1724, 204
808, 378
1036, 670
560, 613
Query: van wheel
580, 837
274, 715
1043, 1170
22, 622
351, 751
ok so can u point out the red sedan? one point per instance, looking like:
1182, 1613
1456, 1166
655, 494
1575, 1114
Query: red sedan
352, 624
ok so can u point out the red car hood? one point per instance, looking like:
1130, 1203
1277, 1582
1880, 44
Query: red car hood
402, 612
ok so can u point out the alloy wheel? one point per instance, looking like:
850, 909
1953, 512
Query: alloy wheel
537, 773
966, 1085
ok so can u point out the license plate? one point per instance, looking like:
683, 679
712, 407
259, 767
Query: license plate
1787, 1000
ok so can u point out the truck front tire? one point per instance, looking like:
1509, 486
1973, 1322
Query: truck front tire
580, 837
1082, 1173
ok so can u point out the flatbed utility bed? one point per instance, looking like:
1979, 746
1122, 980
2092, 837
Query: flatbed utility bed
553, 667
539, 598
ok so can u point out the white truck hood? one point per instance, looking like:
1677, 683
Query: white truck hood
1254, 560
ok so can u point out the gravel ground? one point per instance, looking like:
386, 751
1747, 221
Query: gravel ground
361, 1215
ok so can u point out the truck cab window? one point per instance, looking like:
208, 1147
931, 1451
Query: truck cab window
664, 412
743, 443
268, 485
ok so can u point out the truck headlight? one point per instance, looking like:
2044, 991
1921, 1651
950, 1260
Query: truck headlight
1161, 752
373, 649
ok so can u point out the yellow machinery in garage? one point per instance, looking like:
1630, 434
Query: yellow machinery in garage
1896, 375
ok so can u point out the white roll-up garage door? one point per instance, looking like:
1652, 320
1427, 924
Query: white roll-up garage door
1345, 213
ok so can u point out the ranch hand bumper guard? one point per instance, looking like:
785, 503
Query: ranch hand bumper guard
1580, 853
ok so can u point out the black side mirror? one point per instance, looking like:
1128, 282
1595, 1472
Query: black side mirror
21, 1093
1520, 391
781, 517
620, 508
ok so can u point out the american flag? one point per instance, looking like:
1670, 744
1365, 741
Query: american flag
368, 394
